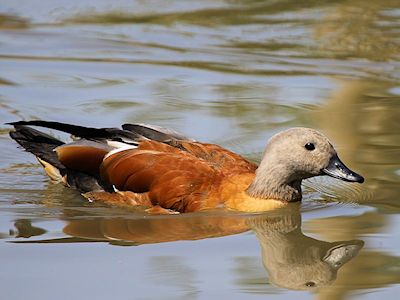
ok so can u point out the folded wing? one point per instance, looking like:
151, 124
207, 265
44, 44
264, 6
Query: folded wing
179, 182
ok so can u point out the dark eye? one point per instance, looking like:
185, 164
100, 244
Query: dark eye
309, 146
310, 284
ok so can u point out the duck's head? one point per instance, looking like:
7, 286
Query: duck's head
293, 155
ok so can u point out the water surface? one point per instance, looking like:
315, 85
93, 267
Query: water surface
229, 72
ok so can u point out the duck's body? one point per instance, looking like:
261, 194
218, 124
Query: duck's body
167, 172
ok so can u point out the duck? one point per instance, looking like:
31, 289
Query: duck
168, 173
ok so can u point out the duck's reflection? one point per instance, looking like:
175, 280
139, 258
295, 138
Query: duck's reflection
291, 259
296, 261
25, 229
152, 230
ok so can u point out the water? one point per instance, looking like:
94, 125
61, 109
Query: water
229, 72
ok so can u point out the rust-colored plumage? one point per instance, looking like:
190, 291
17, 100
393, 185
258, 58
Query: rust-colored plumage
183, 179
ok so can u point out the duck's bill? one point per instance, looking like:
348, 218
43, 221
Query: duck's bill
337, 169
341, 252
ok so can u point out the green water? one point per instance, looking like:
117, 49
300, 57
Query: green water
228, 72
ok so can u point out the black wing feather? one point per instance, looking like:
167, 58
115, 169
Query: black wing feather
82, 131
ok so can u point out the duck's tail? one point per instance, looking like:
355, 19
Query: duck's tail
77, 164
42, 146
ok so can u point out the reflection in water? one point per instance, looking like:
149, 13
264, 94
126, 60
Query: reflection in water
291, 259
25, 229
12, 22
365, 118
174, 271
371, 269
343, 31
296, 261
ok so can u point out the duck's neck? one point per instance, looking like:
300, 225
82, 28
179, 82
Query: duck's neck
274, 183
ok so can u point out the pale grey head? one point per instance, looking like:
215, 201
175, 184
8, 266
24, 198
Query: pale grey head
293, 155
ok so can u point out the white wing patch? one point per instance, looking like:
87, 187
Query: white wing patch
119, 146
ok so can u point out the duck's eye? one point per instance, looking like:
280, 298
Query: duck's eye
310, 284
309, 146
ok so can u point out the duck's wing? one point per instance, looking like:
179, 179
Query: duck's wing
224, 160
104, 135
130, 134
156, 133
219, 158
177, 181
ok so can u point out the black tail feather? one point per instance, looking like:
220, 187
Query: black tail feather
42, 146
81, 131
38, 143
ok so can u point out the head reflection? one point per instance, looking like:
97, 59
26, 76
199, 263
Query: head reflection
296, 261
